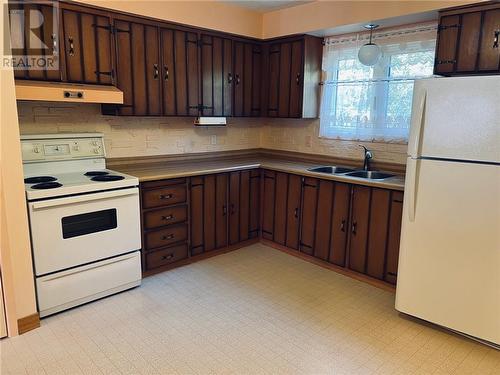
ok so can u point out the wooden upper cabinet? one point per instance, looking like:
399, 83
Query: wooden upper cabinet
293, 72
186, 73
87, 44
489, 47
468, 40
216, 76
168, 72
44, 41
247, 79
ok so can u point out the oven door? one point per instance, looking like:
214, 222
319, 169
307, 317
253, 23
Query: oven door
71, 231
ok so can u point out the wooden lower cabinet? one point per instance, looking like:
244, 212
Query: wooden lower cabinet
351, 226
164, 223
269, 187
224, 209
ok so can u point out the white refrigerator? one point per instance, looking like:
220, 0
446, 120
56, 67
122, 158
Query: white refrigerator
449, 262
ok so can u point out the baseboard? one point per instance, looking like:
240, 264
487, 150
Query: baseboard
28, 323
332, 267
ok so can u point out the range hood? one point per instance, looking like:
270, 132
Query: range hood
67, 92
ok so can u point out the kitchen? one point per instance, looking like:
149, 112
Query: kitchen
204, 159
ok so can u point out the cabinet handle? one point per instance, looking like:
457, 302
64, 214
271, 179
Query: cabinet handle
167, 257
224, 210
296, 213
297, 79
165, 75
169, 217
342, 225
156, 72
169, 237
54, 44
439, 62
165, 196
495, 38
237, 79
229, 78
71, 46
353, 227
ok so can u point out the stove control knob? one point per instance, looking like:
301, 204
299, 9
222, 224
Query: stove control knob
76, 148
96, 150
36, 150
94, 143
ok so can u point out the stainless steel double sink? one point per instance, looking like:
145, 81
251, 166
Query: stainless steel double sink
351, 172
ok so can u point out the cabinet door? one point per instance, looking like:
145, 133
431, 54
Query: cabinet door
293, 211
196, 222
340, 223
124, 66
168, 72
153, 92
247, 77
447, 44
87, 39
139, 79
470, 26
216, 76
257, 77
254, 206
377, 233
239, 58
359, 227
284, 82
234, 207
489, 52
391, 268
273, 77
210, 212
280, 211
221, 182
323, 219
244, 205
41, 41
186, 72
308, 214
268, 204
296, 79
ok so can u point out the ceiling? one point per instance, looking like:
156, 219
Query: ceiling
266, 6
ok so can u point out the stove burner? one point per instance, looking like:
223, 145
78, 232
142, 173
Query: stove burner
39, 179
47, 185
96, 173
109, 177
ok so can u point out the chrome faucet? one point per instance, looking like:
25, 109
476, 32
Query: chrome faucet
368, 156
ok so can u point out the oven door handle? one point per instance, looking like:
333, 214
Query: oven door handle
84, 198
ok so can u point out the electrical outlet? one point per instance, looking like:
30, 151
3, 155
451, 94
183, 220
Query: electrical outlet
213, 139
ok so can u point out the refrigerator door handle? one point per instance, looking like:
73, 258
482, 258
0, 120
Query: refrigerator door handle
411, 187
417, 123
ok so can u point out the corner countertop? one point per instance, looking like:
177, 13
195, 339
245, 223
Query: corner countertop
165, 170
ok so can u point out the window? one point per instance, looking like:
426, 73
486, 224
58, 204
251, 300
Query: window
373, 103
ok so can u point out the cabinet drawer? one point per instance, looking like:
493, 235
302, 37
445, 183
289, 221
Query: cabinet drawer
166, 236
166, 256
164, 197
165, 216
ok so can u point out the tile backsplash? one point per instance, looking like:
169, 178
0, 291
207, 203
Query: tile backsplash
147, 136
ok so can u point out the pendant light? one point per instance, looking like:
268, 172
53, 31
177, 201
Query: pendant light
370, 53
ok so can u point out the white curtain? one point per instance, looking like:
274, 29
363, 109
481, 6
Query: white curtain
374, 103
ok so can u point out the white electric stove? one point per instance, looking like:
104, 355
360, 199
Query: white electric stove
84, 220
